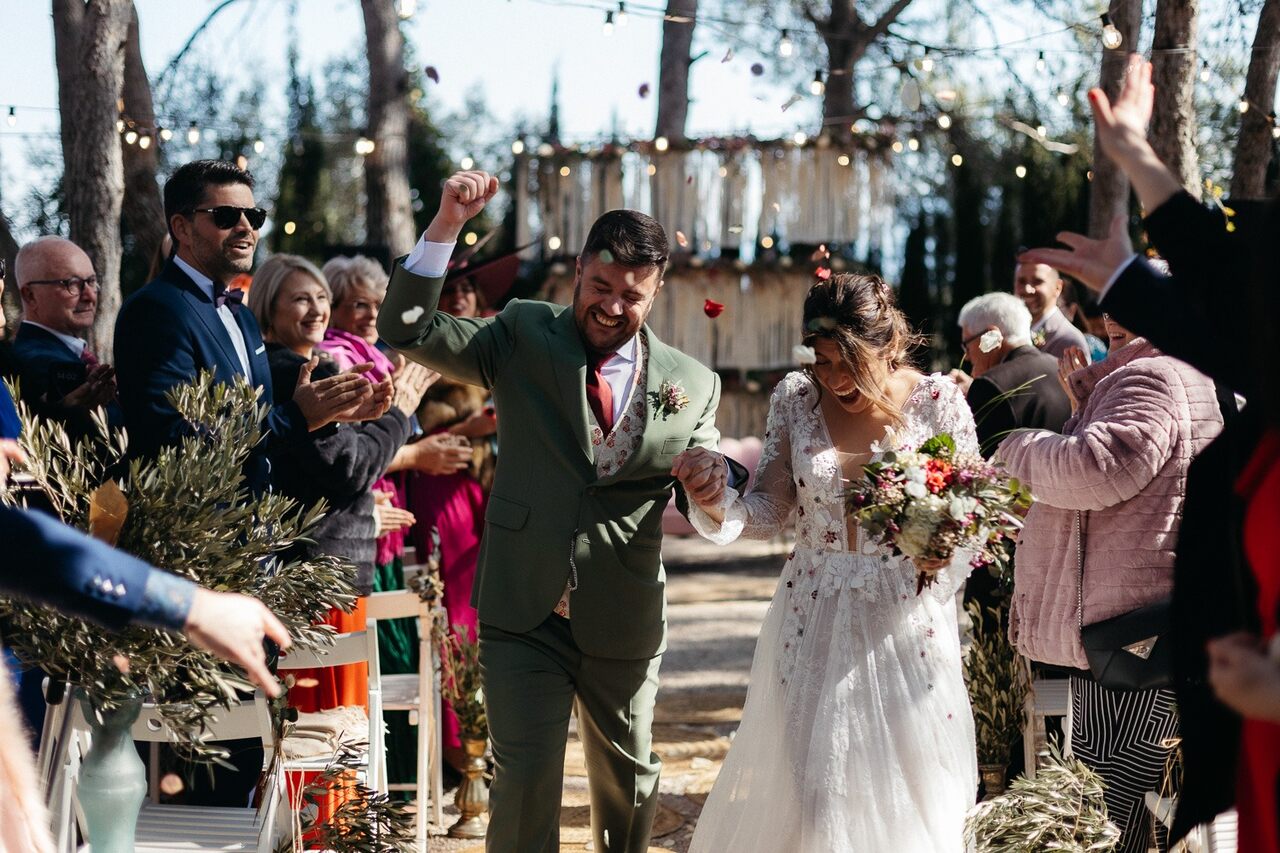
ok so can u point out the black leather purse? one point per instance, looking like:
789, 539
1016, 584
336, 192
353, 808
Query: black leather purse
1132, 651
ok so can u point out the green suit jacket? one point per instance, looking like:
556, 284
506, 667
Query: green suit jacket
548, 502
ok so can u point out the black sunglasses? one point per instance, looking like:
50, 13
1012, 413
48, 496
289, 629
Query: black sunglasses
227, 217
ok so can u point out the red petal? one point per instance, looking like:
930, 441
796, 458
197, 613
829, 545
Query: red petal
712, 308
822, 273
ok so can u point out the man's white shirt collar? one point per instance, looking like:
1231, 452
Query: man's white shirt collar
202, 281
76, 345
628, 351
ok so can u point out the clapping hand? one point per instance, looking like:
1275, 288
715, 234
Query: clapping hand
326, 400
389, 518
465, 195
377, 405
704, 475
440, 454
98, 389
1071, 360
411, 381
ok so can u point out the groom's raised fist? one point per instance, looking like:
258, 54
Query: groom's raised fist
464, 196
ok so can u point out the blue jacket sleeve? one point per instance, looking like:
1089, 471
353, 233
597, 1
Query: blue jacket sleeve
49, 563
10, 426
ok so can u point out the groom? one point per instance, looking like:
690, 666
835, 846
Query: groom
595, 417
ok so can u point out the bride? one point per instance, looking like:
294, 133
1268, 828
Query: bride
857, 733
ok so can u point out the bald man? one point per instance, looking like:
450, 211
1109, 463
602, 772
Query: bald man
60, 376
1039, 286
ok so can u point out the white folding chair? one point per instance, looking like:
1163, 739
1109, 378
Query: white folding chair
1048, 697
405, 692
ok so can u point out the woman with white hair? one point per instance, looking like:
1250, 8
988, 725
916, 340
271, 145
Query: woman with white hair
1013, 384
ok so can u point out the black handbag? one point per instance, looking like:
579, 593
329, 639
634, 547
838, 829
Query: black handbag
1132, 651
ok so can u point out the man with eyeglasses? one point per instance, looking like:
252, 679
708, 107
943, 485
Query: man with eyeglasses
60, 376
187, 320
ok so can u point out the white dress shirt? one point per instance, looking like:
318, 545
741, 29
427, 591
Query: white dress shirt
76, 345
431, 260
224, 313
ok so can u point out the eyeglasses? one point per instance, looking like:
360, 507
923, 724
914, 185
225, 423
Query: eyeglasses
227, 217
964, 344
74, 286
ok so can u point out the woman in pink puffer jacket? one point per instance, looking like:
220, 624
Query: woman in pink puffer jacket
1121, 464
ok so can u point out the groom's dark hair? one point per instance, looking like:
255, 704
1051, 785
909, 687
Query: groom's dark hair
631, 238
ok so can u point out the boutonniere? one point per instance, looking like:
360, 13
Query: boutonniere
1038, 339
668, 400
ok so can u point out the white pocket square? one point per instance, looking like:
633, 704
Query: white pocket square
260, 350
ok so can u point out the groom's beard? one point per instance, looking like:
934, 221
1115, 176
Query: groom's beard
597, 337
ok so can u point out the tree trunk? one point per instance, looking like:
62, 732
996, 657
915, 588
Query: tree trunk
1254, 147
89, 39
673, 73
143, 206
838, 108
1173, 122
390, 210
1109, 191
847, 38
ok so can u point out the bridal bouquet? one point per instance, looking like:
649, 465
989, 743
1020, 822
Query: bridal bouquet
928, 503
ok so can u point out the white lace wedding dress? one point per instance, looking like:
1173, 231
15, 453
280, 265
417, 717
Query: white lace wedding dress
857, 733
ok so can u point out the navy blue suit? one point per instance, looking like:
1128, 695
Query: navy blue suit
49, 563
48, 371
166, 334
10, 426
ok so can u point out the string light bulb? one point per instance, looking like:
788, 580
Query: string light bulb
466, 163
1111, 37
622, 14
166, 134
1243, 105
259, 146
554, 244
913, 144
897, 146
1042, 131
144, 142
1204, 71
290, 227
1041, 65
957, 160
818, 85
944, 121
193, 134
785, 47
364, 146
800, 137
843, 160
608, 23
1020, 171
131, 137
1063, 98
406, 8
119, 122
661, 143
12, 118
517, 147
1275, 132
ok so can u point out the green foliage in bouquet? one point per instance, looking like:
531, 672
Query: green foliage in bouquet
1059, 810
187, 511
997, 682
460, 681
365, 821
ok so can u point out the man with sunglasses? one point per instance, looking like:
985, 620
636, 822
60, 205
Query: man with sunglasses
60, 377
187, 321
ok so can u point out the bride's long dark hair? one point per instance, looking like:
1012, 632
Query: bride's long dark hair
860, 315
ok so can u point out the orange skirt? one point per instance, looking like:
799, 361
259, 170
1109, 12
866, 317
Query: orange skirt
334, 686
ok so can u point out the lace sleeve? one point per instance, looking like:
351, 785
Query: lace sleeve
765, 509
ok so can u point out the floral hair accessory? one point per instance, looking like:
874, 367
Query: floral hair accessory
804, 355
990, 340
668, 400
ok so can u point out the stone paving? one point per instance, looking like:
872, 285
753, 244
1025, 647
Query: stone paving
717, 599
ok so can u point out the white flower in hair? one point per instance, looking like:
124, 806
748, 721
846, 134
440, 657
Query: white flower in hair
804, 355
990, 341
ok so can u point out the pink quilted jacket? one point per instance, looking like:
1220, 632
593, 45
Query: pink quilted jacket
1122, 462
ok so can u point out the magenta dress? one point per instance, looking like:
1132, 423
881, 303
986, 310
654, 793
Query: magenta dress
454, 504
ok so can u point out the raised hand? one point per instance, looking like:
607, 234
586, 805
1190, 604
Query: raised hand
1091, 261
704, 476
1121, 127
1071, 360
326, 400
465, 195
98, 389
232, 626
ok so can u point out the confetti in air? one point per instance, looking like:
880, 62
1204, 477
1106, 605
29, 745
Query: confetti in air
308, 682
822, 273
712, 308
757, 69
820, 254
728, 54
412, 315
682, 240
792, 101
606, 257
644, 90
432, 73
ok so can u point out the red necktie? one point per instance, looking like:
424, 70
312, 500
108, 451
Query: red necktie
90, 360
599, 394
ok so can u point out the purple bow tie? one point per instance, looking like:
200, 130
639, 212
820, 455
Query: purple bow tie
222, 295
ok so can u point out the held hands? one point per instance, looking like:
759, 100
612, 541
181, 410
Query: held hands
1071, 360
1244, 678
704, 475
98, 389
232, 626
465, 195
